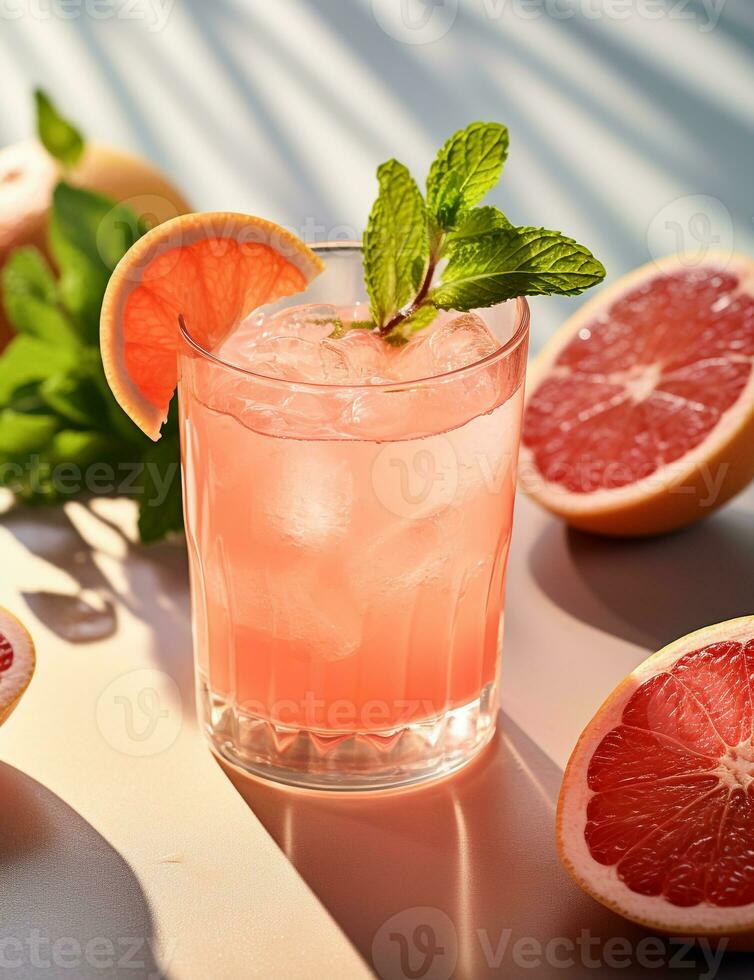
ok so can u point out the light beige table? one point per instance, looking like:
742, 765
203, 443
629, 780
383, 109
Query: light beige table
120, 833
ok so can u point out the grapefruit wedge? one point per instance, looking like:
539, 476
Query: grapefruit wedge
640, 411
213, 269
17, 662
656, 812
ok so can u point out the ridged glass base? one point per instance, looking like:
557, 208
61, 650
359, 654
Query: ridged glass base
348, 760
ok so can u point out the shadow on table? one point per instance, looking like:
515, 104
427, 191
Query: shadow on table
467, 866
651, 591
153, 585
71, 906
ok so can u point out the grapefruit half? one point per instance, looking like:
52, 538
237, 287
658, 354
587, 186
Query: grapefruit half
640, 410
17, 662
213, 269
656, 812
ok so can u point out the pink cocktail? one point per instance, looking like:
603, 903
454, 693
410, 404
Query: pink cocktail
348, 509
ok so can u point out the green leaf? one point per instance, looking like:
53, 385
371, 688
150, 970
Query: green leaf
21, 434
476, 223
77, 398
60, 138
94, 225
396, 246
28, 359
88, 234
82, 448
515, 262
161, 505
466, 168
30, 298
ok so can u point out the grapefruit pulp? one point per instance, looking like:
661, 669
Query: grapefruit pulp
640, 411
213, 269
656, 811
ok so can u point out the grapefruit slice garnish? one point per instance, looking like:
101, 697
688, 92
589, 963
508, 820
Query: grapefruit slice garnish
656, 812
213, 269
17, 662
640, 412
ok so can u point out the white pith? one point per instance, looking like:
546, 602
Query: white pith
637, 384
735, 769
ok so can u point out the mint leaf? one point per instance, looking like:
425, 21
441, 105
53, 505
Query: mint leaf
76, 398
396, 246
30, 298
27, 359
94, 225
59, 137
476, 223
515, 262
22, 434
81, 447
88, 234
161, 504
466, 168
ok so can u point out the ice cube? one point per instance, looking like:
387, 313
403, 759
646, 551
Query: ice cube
309, 321
295, 359
446, 346
366, 354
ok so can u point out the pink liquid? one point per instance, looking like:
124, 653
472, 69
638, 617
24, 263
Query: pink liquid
348, 546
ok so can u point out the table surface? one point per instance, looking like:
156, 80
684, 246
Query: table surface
127, 830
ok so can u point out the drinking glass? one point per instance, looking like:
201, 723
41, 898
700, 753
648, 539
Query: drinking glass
348, 546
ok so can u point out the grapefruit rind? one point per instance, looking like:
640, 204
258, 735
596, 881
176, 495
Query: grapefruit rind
670, 498
15, 680
602, 881
184, 231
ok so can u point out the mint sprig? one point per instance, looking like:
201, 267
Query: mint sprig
396, 249
482, 258
61, 431
59, 137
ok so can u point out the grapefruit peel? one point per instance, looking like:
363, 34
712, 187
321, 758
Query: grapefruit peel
17, 662
602, 881
677, 494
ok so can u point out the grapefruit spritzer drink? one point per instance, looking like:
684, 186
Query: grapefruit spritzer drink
350, 420
348, 509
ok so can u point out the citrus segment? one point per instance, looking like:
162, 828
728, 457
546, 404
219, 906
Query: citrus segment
656, 811
213, 269
640, 415
17, 661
